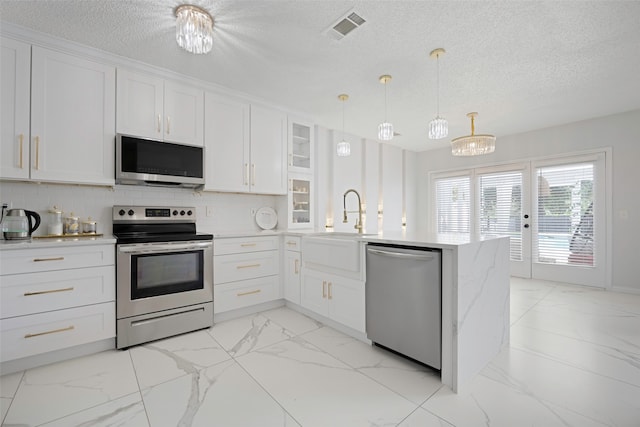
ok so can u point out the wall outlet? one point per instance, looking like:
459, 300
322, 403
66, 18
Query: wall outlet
209, 211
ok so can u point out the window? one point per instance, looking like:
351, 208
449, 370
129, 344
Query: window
453, 205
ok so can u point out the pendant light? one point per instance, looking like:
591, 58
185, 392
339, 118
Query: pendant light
385, 129
473, 145
194, 29
438, 127
343, 148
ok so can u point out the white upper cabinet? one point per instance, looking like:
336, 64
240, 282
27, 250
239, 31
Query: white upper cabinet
300, 145
268, 173
14, 114
227, 143
245, 146
152, 107
72, 129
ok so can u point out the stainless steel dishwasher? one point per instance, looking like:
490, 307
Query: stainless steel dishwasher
403, 301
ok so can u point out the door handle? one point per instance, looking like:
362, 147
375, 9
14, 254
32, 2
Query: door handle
168, 125
159, 123
324, 289
330, 296
526, 226
295, 269
37, 152
21, 138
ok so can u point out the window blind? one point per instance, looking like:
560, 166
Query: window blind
453, 205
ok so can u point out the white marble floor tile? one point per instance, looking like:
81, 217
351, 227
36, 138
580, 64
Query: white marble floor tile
596, 397
611, 362
319, 390
291, 320
412, 380
221, 395
9, 384
173, 357
127, 411
424, 418
61, 389
240, 336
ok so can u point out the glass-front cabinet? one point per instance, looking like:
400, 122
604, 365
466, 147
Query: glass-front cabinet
300, 201
300, 145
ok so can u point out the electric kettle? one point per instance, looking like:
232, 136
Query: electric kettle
18, 224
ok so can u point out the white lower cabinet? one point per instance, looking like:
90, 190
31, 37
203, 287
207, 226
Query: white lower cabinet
55, 298
246, 272
337, 298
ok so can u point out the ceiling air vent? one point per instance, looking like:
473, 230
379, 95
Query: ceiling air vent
345, 25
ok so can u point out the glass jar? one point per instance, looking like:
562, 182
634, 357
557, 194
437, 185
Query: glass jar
55, 222
71, 224
89, 226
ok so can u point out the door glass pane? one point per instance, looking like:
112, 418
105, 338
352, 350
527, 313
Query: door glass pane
565, 228
501, 208
453, 205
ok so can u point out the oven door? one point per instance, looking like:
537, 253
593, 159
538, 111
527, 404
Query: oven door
152, 277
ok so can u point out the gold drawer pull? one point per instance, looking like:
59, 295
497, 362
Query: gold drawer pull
55, 331
246, 245
51, 291
60, 258
291, 243
242, 294
248, 266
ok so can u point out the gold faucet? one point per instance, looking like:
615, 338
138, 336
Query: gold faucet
358, 225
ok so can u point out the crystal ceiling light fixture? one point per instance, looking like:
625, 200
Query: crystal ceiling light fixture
194, 29
438, 127
385, 129
473, 145
343, 148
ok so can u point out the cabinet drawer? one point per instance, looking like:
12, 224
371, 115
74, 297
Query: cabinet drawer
292, 243
48, 259
235, 267
244, 244
40, 333
22, 294
236, 295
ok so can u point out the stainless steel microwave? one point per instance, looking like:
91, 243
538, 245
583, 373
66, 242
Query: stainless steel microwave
147, 162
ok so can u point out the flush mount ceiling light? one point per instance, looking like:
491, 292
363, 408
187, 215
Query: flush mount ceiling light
473, 145
438, 127
343, 148
194, 29
385, 129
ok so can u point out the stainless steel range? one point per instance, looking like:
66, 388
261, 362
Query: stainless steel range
164, 273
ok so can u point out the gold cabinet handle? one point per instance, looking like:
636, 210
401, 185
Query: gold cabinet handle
159, 122
324, 289
37, 152
168, 125
243, 294
290, 243
247, 245
330, 296
55, 331
50, 291
246, 174
248, 266
21, 138
253, 174
60, 258
296, 267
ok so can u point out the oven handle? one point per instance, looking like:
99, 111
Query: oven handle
163, 247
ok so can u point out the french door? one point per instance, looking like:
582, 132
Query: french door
553, 210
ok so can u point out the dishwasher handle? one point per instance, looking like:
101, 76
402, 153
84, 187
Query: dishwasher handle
400, 255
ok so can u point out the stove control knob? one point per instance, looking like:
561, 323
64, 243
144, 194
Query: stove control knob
182, 213
131, 212
175, 213
121, 212
189, 213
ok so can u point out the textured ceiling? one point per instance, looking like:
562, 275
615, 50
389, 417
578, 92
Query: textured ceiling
522, 65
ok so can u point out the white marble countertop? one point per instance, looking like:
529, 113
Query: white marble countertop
53, 242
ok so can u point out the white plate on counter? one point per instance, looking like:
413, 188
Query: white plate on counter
266, 218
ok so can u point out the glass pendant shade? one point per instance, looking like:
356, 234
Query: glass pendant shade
343, 149
438, 128
194, 29
385, 131
473, 145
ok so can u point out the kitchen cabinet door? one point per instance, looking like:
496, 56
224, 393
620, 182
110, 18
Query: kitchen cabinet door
346, 302
268, 171
140, 110
313, 292
300, 145
72, 118
300, 201
292, 276
226, 144
183, 113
